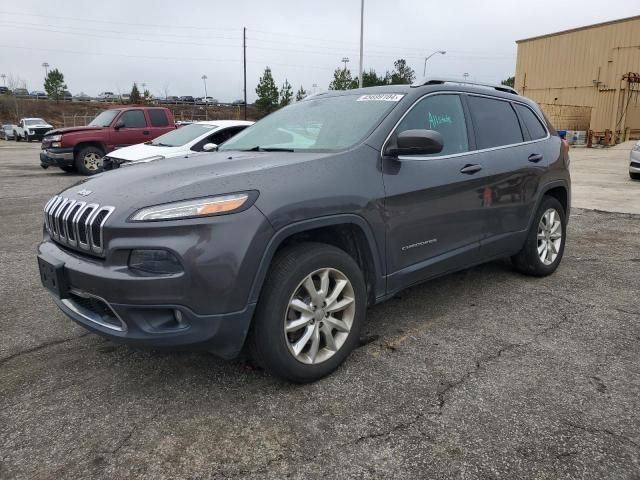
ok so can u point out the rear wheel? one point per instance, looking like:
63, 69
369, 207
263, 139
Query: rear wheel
544, 246
88, 160
310, 312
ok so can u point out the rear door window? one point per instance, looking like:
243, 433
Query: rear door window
158, 118
531, 122
495, 122
444, 114
133, 119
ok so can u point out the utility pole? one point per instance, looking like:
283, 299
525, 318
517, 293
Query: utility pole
361, 39
244, 61
204, 80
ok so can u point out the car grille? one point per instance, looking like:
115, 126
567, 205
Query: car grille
76, 224
40, 130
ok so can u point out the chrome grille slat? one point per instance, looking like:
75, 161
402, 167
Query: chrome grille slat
76, 224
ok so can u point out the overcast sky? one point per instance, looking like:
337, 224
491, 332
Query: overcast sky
170, 44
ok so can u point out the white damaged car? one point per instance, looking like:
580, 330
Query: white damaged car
195, 137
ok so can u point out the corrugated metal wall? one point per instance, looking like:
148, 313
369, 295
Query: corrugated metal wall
584, 68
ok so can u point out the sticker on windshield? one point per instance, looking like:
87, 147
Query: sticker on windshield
381, 97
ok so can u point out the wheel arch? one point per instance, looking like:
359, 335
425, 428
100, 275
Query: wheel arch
349, 232
559, 190
89, 143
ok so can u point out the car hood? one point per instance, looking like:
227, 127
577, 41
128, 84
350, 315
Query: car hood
59, 131
39, 125
143, 150
199, 175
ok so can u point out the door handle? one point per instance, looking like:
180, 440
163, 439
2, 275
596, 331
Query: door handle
145, 132
470, 169
535, 157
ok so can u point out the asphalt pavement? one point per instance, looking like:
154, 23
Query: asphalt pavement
481, 374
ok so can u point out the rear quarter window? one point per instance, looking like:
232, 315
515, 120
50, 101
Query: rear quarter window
495, 122
531, 122
158, 118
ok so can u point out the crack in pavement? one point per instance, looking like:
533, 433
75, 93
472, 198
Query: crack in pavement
41, 347
596, 431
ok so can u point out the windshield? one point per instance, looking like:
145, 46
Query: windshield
34, 121
325, 124
183, 135
104, 119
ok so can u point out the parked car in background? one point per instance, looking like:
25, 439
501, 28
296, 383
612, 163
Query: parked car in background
38, 95
107, 97
125, 97
66, 96
187, 99
209, 100
285, 240
196, 137
4, 90
7, 132
82, 97
82, 148
21, 92
29, 129
634, 164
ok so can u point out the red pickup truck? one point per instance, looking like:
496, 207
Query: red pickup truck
82, 148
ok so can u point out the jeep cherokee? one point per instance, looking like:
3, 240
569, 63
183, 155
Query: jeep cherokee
285, 235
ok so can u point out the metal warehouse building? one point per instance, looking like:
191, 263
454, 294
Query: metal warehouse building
587, 77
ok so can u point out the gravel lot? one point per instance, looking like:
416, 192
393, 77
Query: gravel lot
481, 374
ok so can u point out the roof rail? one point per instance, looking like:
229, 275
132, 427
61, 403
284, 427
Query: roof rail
439, 81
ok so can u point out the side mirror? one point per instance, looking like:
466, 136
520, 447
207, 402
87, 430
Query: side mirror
119, 124
209, 147
417, 142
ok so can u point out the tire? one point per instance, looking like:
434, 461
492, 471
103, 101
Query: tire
68, 168
88, 160
634, 175
27, 138
17, 138
272, 348
529, 260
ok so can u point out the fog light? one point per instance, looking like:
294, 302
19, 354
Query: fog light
160, 262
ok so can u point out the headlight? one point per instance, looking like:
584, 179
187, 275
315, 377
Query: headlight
198, 207
55, 138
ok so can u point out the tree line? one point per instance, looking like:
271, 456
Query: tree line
270, 98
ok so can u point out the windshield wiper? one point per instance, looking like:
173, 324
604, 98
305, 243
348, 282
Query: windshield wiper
258, 148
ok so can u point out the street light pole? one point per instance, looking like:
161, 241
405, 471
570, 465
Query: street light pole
4, 80
46, 67
441, 52
361, 41
204, 80
345, 60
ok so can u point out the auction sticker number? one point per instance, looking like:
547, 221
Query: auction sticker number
381, 97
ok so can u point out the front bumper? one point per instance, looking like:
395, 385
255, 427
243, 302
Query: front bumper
56, 157
206, 306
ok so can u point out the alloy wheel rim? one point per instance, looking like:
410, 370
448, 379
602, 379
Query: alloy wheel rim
319, 316
92, 161
549, 236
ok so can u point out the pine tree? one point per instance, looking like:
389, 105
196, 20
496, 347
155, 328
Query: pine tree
134, 96
401, 74
268, 95
342, 80
286, 93
54, 84
300, 94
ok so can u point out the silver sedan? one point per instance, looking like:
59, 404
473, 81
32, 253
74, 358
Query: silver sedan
634, 164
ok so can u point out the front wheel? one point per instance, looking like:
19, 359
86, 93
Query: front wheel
544, 246
88, 160
634, 175
310, 312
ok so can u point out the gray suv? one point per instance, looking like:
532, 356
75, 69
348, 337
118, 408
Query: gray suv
281, 239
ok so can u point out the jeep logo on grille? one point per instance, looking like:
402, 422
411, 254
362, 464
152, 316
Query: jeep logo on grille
84, 193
